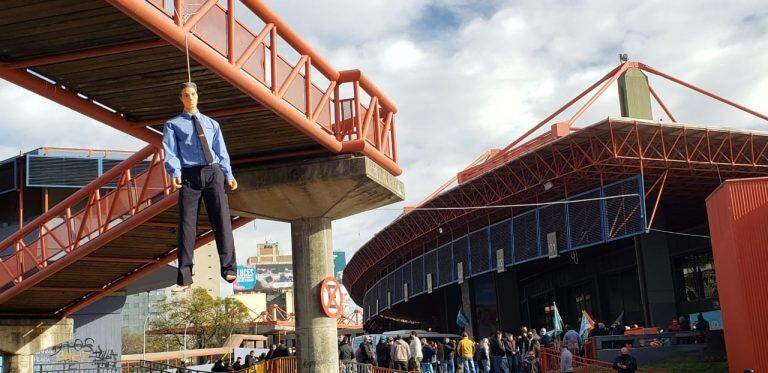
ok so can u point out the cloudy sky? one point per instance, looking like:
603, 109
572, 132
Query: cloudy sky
469, 75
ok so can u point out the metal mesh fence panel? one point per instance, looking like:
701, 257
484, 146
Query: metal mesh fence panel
526, 237
460, 255
417, 276
586, 220
446, 274
396, 286
383, 289
479, 251
624, 215
430, 266
552, 222
406, 275
501, 239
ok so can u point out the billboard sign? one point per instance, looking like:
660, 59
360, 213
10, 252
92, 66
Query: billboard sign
264, 277
339, 262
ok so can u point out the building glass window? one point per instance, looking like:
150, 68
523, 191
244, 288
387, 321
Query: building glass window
695, 274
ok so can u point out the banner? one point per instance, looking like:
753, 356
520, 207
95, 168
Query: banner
461, 319
264, 277
587, 324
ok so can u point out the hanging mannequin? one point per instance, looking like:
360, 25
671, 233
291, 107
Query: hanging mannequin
196, 157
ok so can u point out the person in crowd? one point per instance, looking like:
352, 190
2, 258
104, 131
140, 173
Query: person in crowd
484, 356
382, 352
271, 352
566, 360
228, 367
251, 358
534, 335
466, 351
427, 353
599, 330
673, 326
366, 354
281, 351
438, 350
531, 363
218, 366
498, 355
536, 347
449, 347
510, 351
238, 364
625, 363
572, 340
546, 339
685, 324
346, 352
701, 322
523, 342
400, 354
439, 357
414, 364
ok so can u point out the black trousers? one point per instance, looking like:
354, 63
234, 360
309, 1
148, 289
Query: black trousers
206, 182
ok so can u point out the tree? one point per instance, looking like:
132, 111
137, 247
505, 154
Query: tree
211, 319
133, 343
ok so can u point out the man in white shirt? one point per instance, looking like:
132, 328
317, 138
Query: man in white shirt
414, 364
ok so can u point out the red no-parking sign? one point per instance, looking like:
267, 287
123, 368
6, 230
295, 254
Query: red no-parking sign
331, 297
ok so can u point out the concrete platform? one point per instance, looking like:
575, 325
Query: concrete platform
334, 188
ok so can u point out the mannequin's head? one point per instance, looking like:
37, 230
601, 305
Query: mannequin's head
188, 96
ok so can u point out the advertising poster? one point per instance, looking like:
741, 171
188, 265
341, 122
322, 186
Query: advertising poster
264, 277
339, 262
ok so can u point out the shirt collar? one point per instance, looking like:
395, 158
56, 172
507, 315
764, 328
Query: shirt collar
187, 115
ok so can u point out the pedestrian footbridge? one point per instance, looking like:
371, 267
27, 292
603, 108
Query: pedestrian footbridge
120, 62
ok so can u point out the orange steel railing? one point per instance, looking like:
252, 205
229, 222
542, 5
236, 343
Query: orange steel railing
251, 61
549, 359
55, 238
355, 367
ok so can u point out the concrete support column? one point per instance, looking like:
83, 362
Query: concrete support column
17, 363
316, 336
634, 94
466, 305
20, 339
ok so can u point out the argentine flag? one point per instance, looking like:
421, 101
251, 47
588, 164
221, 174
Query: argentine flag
558, 321
587, 324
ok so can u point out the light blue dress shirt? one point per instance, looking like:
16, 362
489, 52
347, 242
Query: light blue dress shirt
182, 146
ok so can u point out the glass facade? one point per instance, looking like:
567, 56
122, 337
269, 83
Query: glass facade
138, 306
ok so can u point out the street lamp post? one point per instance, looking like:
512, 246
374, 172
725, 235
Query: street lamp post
144, 349
184, 355
144, 333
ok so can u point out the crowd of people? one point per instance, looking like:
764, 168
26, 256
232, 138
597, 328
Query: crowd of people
499, 353
275, 351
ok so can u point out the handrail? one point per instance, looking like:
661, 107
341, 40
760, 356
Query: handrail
275, 81
60, 231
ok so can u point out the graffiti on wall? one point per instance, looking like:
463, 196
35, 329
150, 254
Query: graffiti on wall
77, 351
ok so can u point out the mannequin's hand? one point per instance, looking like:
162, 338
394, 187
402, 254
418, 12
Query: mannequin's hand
232, 184
176, 182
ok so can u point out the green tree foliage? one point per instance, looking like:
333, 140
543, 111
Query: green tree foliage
211, 319
133, 343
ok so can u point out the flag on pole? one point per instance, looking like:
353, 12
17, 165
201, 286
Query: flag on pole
619, 320
461, 318
557, 321
587, 324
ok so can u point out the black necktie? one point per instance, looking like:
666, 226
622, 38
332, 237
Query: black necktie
203, 140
